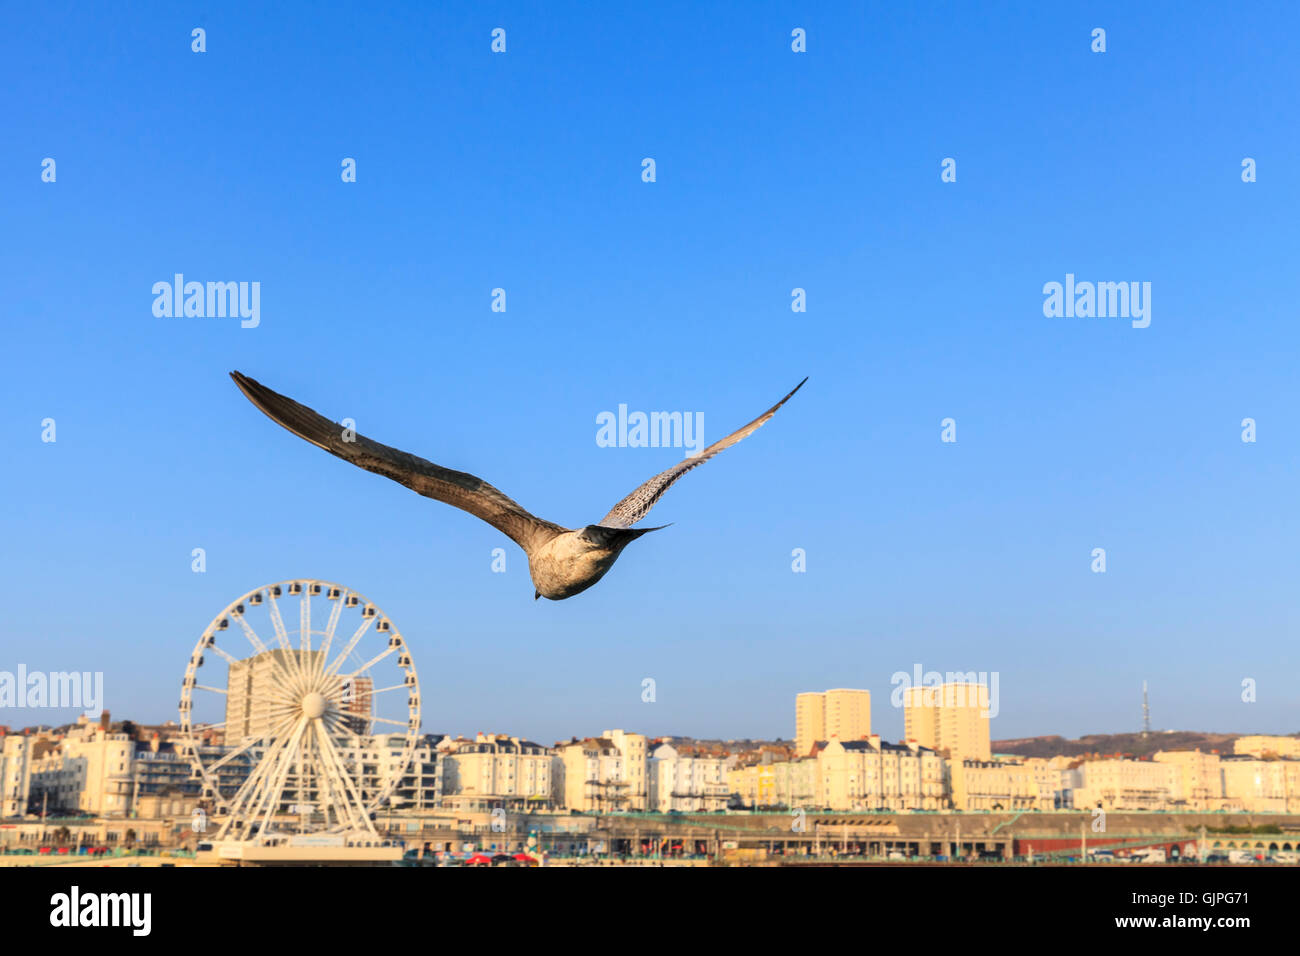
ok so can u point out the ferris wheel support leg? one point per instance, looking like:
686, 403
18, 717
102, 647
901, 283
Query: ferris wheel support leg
356, 806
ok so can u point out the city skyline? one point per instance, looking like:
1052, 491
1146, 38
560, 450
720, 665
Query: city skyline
787, 736
107, 769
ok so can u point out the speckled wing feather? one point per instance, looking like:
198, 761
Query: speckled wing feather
456, 488
638, 504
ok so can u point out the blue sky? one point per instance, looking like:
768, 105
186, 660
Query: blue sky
775, 170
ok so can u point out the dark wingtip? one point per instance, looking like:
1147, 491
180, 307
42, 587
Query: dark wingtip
790, 394
257, 393
536, 595
243, 381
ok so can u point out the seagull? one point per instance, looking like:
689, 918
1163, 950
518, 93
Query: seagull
561, 561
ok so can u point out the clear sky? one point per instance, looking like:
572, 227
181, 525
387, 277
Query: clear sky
775, 170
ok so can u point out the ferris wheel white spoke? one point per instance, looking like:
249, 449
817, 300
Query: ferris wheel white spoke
257, 641
248, 793
283, 692
384, 690
350, 647
332, 687
215, 690
283, 712
304, 620
272, 793
245, 793
268, 768
333, 798
228, 758
255, 780
344, 723
385, 720
330, 797
331, 759
282, 700
309, 792
249, 633
341, 726
247, 746
372, 662
245, 809
330, 755
331, 625
222, 654
282, 636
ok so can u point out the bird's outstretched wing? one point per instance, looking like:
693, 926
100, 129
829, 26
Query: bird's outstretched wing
456, 488
636, 505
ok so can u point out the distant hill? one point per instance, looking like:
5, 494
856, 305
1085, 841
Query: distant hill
1134, 744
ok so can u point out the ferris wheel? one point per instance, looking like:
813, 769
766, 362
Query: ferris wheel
299, 730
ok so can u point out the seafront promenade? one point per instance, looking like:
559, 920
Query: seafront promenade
804, 838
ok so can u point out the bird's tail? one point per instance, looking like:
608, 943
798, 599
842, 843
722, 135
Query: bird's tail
615, 537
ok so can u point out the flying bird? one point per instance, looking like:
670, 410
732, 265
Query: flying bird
562, 561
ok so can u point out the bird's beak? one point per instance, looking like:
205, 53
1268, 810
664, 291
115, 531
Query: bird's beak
536, 595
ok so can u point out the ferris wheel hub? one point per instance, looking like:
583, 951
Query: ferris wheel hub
314, 705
